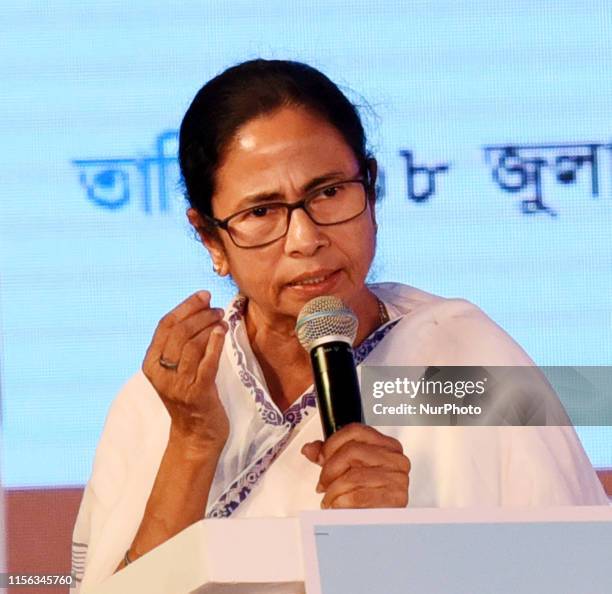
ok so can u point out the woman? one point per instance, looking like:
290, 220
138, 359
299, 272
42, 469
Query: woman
223, 420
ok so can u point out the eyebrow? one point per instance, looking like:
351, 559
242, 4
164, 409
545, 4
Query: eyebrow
279, 197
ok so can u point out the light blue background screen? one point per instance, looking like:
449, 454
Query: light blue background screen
94, 245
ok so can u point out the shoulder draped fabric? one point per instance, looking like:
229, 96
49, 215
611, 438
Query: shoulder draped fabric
261, 471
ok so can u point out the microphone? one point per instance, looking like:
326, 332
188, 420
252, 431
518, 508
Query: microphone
327, 328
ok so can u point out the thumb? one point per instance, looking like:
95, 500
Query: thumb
312, 451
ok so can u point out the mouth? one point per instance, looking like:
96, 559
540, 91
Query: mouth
318, 280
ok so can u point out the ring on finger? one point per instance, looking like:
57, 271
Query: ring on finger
168, 364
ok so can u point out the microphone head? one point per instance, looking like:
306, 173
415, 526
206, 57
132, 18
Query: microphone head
325, 319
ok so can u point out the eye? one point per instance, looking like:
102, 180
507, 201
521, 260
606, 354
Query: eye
259, 212
265, 211
331, 191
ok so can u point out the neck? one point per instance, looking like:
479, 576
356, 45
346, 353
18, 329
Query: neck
365, 306
274, 341
284, 362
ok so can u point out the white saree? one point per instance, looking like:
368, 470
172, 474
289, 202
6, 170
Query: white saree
262, 472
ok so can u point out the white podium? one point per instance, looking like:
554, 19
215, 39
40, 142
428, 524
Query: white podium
258, 556
426, 551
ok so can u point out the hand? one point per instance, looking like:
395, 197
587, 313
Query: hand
361, 468
191, 336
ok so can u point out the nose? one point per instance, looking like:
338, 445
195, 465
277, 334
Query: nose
304, 237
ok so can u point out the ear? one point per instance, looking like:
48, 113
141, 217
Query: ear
372, 173
213, 244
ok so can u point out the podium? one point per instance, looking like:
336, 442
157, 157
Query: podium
564, 550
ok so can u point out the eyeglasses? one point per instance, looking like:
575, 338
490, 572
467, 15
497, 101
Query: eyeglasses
264, 224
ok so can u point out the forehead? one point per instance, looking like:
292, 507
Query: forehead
285, 148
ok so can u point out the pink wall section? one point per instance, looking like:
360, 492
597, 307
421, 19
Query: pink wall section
39, 531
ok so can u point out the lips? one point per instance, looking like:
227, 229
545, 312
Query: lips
315, 283
311, 278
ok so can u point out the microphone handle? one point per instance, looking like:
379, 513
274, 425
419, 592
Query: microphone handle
338, 393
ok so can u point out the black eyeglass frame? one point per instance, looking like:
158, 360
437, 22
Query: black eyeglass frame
291, 206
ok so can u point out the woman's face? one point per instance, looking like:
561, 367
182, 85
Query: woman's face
280, 154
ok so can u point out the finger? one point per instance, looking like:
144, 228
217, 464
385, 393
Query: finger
378, 497
366, 478
312, 451
189, 328
193, 352
357, 454
193, 303
207, 369
361, 433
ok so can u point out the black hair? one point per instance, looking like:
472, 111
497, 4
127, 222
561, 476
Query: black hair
248, 90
